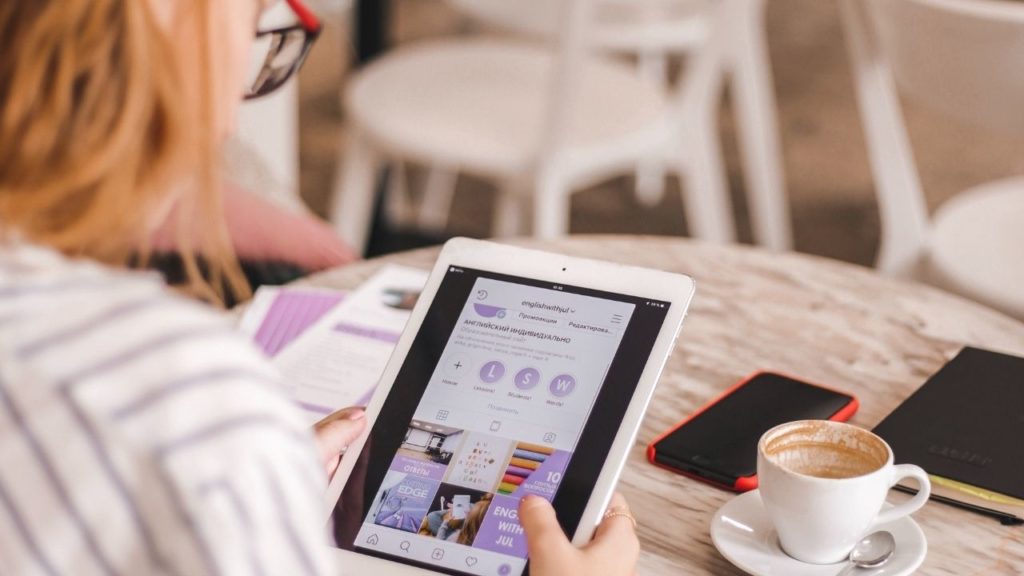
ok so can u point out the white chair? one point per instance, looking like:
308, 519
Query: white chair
651, 30
657, 31
542, 122
964, 58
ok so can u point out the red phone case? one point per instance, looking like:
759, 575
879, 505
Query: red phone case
743, 483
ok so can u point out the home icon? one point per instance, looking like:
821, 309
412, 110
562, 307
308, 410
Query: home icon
373, 540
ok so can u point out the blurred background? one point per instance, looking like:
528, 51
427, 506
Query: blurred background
827, 176
369, 144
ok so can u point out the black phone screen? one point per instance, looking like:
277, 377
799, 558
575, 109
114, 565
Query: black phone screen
721, 442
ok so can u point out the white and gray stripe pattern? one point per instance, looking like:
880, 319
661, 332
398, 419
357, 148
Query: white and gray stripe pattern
139, 434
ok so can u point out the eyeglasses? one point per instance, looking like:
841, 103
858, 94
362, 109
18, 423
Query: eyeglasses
280, 52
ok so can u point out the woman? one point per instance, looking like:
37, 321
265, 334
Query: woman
474, 518
139, 434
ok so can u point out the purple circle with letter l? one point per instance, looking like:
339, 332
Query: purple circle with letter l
504, 570
492, 371
562, 385
527, 378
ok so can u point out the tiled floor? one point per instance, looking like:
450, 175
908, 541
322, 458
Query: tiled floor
827, 174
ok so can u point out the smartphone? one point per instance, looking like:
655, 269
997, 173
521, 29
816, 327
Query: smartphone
460, 506
718, 443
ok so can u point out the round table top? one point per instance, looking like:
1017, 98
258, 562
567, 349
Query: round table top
821, 320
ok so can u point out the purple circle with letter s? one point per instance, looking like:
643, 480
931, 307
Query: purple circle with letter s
527, 378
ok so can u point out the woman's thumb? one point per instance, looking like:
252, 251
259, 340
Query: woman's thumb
543, 533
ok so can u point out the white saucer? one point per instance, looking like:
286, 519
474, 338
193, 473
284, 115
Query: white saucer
743, 534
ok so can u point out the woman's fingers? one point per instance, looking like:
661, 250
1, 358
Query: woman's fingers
334, 434
615, 542
618, 518
350, 413
544, 536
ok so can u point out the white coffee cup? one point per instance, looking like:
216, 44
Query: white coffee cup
824, 484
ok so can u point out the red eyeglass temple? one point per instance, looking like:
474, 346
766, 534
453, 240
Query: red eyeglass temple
306, 16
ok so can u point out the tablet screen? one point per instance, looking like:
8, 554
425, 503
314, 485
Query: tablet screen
512, 386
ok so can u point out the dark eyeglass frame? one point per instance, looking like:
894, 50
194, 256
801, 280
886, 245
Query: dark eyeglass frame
309, 25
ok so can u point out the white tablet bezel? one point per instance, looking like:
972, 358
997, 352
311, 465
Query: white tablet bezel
676, 289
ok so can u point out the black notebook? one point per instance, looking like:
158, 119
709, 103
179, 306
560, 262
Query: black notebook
965, 427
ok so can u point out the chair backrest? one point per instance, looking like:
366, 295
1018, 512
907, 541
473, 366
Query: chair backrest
577, 23
964, 58
641, 27
629, 26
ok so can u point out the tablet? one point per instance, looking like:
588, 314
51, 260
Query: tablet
519, 372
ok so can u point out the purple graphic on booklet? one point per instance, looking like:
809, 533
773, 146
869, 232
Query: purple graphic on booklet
291, 313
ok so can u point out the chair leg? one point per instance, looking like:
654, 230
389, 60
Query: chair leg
758, 128
508, 210
550, 207
354, 190
901, 203
650, 172
398, 203
437, 198
705, 190
698, 158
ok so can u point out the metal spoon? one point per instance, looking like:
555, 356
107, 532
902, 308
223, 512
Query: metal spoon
872, 551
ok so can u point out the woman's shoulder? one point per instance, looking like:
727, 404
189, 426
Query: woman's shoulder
154, 411
37, 282
126, 347
79, 311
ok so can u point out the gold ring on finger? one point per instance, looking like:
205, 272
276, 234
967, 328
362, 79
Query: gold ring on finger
620, 511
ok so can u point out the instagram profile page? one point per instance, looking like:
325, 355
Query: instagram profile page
500, 418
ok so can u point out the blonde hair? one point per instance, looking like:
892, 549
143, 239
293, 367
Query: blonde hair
98, 137
474, 519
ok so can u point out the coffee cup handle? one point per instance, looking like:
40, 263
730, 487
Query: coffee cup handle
899, 472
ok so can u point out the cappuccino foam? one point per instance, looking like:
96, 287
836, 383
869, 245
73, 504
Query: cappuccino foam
823, 450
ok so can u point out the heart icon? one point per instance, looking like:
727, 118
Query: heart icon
470, 560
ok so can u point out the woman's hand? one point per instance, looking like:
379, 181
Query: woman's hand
334, 434
614, 550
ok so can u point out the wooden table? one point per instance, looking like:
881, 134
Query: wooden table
822, 320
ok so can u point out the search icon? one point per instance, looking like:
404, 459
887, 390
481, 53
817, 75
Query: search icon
404, 545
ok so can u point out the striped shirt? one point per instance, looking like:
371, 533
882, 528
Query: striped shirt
140, 434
